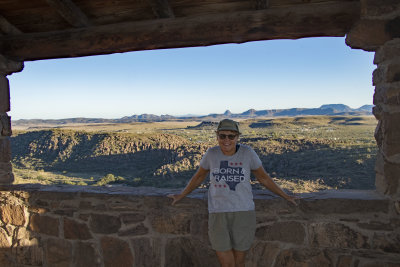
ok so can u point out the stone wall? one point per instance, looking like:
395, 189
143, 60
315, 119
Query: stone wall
379, 30
84, 226
386, 79
6, 68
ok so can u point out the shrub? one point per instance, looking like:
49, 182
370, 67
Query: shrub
109, 179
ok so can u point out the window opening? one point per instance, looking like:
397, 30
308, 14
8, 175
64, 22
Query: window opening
118, 119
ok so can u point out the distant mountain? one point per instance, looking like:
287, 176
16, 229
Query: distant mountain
228, 113
145, 118
329, 109
337, 107
367, 108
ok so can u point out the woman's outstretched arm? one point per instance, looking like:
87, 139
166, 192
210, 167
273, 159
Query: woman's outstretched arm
194, 182
263, 177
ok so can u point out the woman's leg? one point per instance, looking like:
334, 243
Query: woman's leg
226, 258
240, 257
231, 258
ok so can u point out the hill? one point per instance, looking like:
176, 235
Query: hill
330, 109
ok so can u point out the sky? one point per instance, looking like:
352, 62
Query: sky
275, 74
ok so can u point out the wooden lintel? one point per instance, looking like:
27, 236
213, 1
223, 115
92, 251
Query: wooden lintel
162, 9
70, 12
312, 20
7, 28
261, 4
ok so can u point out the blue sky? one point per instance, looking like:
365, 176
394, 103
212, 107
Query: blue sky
304, 73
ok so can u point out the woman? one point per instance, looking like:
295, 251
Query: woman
232, 219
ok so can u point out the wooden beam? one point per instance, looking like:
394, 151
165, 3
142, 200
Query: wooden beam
261, 4
311, 20
7, 28
162, 9
70, 12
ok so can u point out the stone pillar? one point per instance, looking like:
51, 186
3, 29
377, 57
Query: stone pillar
386, 79
6, 68
379, 30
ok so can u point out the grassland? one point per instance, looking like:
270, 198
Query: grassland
303, 154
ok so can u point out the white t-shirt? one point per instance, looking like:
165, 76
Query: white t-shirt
230, 188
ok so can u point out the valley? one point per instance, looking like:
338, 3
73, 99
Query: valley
303, 154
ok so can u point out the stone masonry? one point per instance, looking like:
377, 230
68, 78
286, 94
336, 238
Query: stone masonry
379, 30
6, 68
86, 226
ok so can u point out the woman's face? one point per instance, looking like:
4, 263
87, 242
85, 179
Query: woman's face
227, 145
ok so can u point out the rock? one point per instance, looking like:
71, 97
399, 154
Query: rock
289, 232
44, 224
378, 77
86, 254
104, 224
302, 257
391, 133
58, 252
199, 227
343, 206
133, 218
167, 222
5, 149
262, 254
374, 225
368, 34
75, 230
6, 259
334, 235
4, 94
28, 252
139, 229
387, 242
5, 125
116, 252
6, 175
344, 261
188, 252
13, 214
147, 252
275, 206
388, 94
387, 181
8, 66
5, 240
386, 74
389, 51
85, 205
393, 73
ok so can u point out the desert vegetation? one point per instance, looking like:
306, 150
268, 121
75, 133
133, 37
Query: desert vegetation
303, 154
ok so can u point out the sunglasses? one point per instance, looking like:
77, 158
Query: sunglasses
230, 136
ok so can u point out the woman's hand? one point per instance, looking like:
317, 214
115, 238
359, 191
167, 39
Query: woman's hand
292, 199
175, 198
196, 180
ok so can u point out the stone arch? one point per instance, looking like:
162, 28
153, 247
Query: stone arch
357, 229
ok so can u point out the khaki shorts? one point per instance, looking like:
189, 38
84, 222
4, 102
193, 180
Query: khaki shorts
232, 230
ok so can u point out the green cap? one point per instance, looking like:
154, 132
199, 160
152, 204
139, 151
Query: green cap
228, 125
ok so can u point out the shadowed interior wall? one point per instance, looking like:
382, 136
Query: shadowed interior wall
86, 226
6, 67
